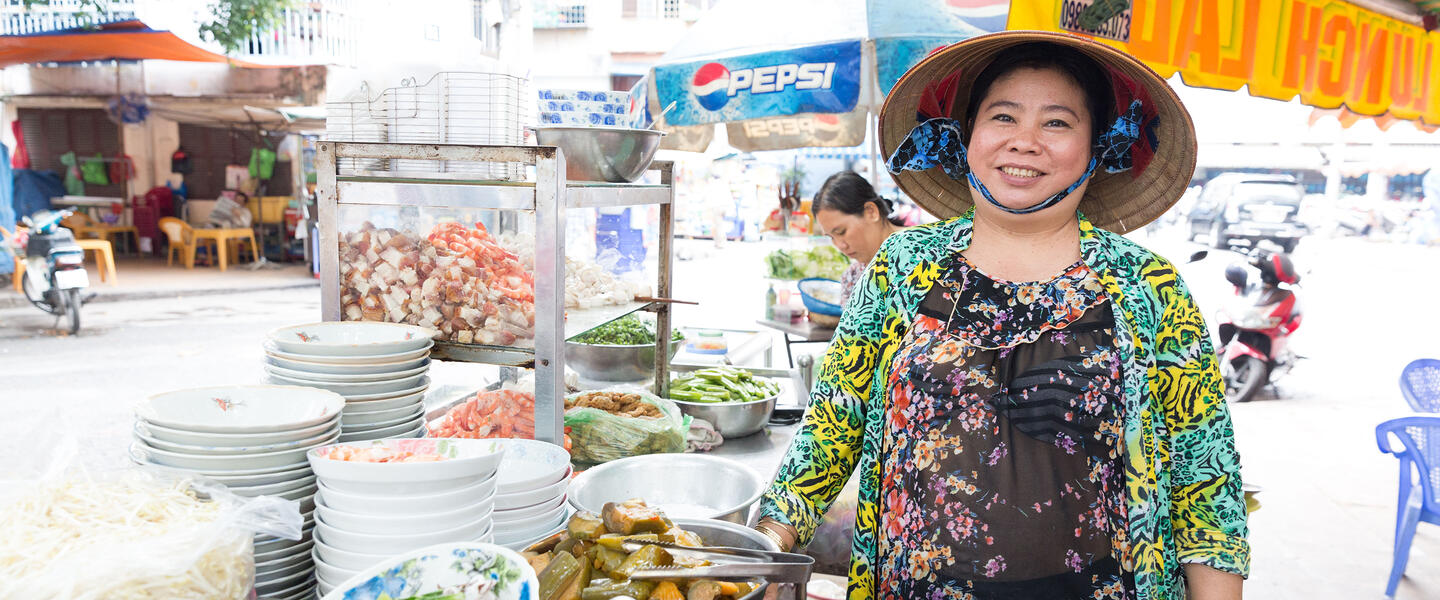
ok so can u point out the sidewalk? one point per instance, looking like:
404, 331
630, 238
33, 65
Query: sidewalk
145, 278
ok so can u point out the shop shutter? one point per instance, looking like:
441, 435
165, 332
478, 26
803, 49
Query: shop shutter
51, 132
213, 148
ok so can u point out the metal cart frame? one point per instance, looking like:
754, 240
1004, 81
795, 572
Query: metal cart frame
548, 197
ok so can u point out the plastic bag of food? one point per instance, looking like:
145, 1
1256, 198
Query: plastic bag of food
138, 532
620, 422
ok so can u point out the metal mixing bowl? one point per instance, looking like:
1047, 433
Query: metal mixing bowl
685, 486
615, 363
614, 154
732, 419
730, 535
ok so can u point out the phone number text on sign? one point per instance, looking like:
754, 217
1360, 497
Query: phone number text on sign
1109, 19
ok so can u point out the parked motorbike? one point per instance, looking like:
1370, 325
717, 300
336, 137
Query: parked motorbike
54, 267
1255, 327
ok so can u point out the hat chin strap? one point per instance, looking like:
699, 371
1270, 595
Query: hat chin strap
1038, 206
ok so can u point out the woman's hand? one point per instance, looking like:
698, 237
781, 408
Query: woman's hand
1206, 583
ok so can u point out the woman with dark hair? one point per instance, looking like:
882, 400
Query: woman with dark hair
856, 219
1030, 401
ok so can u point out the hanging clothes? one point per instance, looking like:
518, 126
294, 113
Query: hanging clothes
74, 185
122, 169
94, 170
21, 160
262, 163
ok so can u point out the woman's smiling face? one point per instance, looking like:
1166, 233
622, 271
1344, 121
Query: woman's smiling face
1031, 138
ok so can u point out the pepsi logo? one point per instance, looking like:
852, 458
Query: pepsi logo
711, 86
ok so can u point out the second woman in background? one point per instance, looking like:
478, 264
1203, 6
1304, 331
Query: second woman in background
856, 219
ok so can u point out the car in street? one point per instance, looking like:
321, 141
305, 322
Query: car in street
1235, 208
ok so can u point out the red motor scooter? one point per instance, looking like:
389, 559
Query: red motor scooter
1255, 327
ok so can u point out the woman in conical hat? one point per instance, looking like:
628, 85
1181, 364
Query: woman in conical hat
1031, 401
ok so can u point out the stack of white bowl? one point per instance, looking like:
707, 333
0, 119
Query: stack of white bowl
380, 369
253, 439
367, 511
530, 499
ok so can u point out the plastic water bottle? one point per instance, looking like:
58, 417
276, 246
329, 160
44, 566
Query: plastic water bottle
770, 299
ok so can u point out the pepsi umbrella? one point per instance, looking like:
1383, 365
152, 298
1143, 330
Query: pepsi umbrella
800, 73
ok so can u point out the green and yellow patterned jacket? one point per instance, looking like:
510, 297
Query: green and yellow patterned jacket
1182, 474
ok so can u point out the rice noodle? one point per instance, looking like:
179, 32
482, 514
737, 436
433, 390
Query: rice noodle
135, 535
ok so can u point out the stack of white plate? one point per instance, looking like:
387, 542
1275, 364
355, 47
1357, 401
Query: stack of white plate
253, 439
530, 499
380, 369
369, 511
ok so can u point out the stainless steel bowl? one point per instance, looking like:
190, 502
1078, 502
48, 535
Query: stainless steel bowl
727, 534
685, 486
614, 363
614, 154
730, 535
732, 419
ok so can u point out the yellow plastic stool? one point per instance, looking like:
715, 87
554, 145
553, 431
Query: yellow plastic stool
104, 257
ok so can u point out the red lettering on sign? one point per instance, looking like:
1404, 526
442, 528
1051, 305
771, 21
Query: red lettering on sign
1304, 45
1340, 37
1240, 68
1370, 64
1422, 100
1402, 74
1150, 33
1188, 38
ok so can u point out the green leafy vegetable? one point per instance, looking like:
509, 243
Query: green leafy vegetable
629, 330
822, 261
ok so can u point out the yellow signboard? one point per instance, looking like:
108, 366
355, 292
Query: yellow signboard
1328, 53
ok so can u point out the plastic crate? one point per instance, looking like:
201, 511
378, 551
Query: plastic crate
268, 209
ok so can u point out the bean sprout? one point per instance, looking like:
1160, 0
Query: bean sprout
133, 536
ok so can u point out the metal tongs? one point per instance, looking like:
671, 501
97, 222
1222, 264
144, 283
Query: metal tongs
730, 564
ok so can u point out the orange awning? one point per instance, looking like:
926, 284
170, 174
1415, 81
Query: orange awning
121, 40
1331, 54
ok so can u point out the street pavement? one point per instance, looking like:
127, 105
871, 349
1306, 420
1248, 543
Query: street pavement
1324, 531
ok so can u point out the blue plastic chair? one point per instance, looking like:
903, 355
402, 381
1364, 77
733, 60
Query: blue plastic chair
1420, 383
1419, 452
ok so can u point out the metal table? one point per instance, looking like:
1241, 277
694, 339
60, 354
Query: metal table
807, 332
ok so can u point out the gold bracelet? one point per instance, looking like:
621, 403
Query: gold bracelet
770, 532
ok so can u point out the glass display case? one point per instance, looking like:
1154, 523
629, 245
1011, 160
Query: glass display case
482, 262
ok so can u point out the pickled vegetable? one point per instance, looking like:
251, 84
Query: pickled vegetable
605, 567
609, 590
563, 568
581, 549
585, 525
615, 541
548, 544
606, 560
704, 589
647, 557
633, 516
577, 583
666, 590
538, 561
685, 538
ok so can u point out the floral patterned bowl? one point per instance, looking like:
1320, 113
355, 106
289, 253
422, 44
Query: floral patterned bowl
481, 570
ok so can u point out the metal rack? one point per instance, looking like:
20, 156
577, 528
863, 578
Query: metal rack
548, 196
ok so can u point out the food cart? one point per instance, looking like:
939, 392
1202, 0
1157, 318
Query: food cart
379, 184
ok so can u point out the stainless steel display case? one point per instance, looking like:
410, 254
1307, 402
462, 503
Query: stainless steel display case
364, 178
